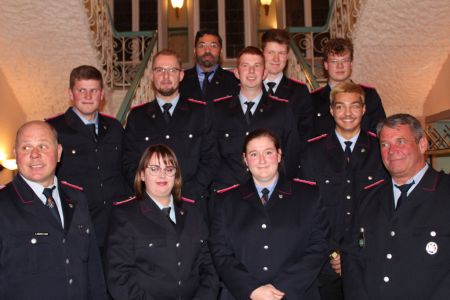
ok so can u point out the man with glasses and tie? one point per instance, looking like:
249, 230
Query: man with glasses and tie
184, 125
401, 243
337, 63
341, 163
47, 242
275, 46
92, 143
207, 80
236, 116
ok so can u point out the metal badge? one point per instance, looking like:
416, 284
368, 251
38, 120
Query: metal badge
363, 150
70, 205
431, 248
362, 238
280, 196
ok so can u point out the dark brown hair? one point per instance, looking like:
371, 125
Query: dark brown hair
250, 50
279, 36
337, 46
85, 72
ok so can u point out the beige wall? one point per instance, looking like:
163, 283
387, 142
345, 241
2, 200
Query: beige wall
11, 116
439, 97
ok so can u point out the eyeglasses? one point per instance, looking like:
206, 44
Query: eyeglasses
156, 170
211, 45
161, 70
342, 61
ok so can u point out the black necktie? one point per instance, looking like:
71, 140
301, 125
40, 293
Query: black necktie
205, 82
265, 196
348, 150
271, 85
166, 212
51, 204
92, 130
248, 112
166, 107
404, 193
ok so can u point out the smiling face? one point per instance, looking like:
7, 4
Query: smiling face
166, 76
262, 159
37, 152
402, 155
158, 184
250, 71
86, 96
276, 56
347, 110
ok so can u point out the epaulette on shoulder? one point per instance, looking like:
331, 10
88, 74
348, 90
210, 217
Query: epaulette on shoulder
117, 203
278, 99
138, 105
53, 117
367, 86
72, 186
372, 134
2, 187
196, 101
317, 138
374, 184
222, 98
297, 81
187, 200
227, 189
108, 116
313, 183
318, 89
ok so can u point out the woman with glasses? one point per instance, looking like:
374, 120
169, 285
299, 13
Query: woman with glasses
268, 235
156, 247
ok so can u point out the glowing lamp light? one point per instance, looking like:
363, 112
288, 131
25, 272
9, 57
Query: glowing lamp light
177, 5
266, 4
10, 164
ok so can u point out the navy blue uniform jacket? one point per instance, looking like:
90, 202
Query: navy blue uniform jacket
38, 258
282, 243
406, 252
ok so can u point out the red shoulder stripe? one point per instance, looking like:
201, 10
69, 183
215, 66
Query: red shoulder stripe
313, 183
227, 189
124, 201
187, 200
72, 185
374, 184
196, 101
298, 81
372, 134
2, 186
222, 98
138, 105
317, 138
278, 99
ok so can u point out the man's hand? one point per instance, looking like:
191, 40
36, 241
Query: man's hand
266, 292
335, 261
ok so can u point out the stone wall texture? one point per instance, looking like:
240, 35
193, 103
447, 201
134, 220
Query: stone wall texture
40, 42
400, 48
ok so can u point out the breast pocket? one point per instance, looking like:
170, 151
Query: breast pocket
431, 245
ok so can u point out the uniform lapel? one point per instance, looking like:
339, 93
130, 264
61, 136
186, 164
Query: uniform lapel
250, 195
236, 112
151, 211
68, 207
423, 191
180, 217
155, 114
335, 154
262, 109
102, 127
75, 123
361, 150
180, 114
282, 190
284, 88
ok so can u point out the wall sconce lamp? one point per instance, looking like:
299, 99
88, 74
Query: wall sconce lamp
177, 5
266, 4
9, 164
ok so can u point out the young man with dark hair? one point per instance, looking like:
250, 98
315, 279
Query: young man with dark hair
341, 162
92, 144
275, 46
236, 116
207, 80
337, 62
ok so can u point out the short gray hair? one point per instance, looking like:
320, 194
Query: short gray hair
402, 119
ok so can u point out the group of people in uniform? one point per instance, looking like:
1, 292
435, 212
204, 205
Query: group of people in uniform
228, 185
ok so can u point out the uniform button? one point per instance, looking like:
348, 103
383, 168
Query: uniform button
177, 245
392, 233
389, 256
246, 133
33, 241
349, 197
70, 281
167, 137
179, 263
386, 279
63, 241
98, 167
348, 213
319, 114
67, 261
327, 181
265, 269
88, 231
101, 185
227, 135
74, 151
370, 177
433, 233
96, 150
266, 247
263, 226
146, 138
299, 166
349, 181
150, 245
190, 136
179, 282
104, 202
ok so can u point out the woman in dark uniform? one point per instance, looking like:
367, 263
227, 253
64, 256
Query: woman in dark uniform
156, 247
268, 236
